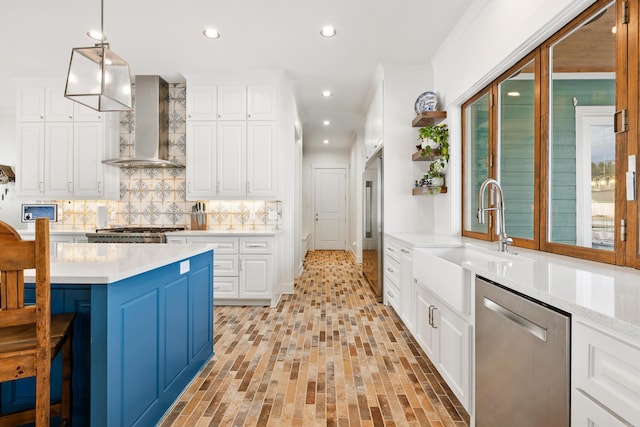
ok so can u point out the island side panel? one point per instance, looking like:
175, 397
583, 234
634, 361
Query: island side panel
159, 334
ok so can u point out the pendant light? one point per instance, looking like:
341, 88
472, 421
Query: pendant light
98, 78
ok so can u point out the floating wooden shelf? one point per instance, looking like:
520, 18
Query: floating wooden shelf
418, 157
418, 191
428, 118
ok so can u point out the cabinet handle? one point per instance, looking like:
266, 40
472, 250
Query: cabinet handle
99, 117
249, 116
189, 116
219, 116
71, 117
217, 186
41, 187
240, 265
256, 245
99, 187
42, 117
248, 186
390, 270
390, 249
404, 251
69, 187
216, 287
433, 317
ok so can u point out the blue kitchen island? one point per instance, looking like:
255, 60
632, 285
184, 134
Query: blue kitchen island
142, 332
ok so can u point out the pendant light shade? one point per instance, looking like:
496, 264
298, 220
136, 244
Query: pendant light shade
99, 78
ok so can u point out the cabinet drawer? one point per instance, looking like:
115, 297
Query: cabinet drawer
392, 250
608, 369
225, 287
391, 293
256, 245
221, 245
392, 268
587, 413
225, 265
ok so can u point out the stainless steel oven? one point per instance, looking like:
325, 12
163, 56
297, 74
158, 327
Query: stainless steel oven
131, 234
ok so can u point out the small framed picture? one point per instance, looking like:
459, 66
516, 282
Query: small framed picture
31, 212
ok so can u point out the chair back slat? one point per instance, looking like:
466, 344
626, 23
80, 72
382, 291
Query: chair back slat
23, 316
17, 255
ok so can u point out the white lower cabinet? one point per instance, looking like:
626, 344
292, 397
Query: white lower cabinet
605, 376
243, 268
398, 280
446, 339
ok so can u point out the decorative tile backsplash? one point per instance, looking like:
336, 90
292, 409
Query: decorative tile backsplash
157, 196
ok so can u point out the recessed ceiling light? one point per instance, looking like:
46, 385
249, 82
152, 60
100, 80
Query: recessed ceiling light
513, 93
326, 122
211, 33
326, 93
326, 141
328, 31
96, 35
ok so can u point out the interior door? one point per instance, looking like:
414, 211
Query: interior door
330, 205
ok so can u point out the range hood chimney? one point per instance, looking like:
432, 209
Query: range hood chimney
151, 146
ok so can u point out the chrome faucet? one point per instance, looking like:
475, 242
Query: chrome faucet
501, 230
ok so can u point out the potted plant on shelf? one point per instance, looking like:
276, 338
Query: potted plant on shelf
435, 138
435, 174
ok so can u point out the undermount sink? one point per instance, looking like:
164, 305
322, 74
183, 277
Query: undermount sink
441, 271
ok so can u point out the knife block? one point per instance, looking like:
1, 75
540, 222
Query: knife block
204, 221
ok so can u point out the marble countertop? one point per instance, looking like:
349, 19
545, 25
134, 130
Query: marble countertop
103, 263
605, 294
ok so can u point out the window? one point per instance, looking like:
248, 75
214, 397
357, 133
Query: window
552, 131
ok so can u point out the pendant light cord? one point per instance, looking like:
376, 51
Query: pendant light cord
104, 38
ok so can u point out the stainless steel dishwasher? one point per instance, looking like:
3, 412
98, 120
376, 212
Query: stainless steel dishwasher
522, 360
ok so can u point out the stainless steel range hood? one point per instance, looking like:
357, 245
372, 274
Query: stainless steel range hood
151, 146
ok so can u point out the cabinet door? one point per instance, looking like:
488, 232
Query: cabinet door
201, 160
255, 276
232, 103
425, 334
201, 102
57, 107
85, 114
261, 159
262, 104
453, 358
111, 151
30, 105
30, 167
232, 159
58, 160
88, 167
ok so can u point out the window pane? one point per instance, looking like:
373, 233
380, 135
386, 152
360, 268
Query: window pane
581, 143
516, 145
476, 159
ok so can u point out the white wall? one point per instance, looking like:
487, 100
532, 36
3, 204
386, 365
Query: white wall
355, 201
9, 207
322, 156
403, 211
489, 38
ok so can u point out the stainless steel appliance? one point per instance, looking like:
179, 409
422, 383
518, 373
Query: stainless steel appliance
522, 360
372, 242
131, 235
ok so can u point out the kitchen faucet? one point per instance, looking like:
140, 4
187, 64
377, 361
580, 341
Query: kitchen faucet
501, 230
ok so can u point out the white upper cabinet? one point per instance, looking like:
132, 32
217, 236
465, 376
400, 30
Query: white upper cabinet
232, 102
201, 102
61, 145
261, 159
58, 159
57, 108
30, 167
262, 102
201, 159
232, 154
30, 105
88, 171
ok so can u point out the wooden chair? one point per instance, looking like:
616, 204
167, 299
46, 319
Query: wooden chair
29, 336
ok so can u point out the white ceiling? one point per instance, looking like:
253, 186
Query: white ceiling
165, 37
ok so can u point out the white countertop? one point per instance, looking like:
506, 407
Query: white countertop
102, 263
605, 294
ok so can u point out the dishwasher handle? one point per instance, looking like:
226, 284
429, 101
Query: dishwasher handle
526, 324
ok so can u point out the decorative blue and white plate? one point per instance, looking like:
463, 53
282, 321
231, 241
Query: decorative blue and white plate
428, 101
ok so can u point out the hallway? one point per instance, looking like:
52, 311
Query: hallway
327, 355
